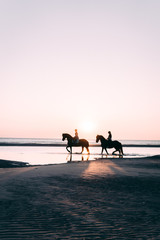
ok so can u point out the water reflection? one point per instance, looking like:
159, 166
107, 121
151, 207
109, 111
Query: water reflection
77, 157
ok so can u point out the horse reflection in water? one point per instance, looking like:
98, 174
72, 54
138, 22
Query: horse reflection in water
71, 143
85, 157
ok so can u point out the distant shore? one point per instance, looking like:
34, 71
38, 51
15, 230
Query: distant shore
6, 144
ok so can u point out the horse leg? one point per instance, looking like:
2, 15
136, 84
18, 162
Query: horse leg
106, 151
102, 150
120, 153
87, 150
71, 150
114, 152
82, 149
67, 149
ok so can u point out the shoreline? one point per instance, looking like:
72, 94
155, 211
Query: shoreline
64, 145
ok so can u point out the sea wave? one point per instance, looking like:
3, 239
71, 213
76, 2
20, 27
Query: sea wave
57, 142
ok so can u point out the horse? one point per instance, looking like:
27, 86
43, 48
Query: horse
109, 144
82, 142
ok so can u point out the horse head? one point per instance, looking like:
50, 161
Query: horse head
63, 136
100, 138
66, 136
97, 138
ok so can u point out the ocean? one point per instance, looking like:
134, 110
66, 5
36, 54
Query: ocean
39, 151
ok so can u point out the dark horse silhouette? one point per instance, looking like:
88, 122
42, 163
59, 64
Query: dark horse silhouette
109, 144
82, 142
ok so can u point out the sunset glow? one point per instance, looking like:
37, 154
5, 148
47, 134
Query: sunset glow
87, 126
91, 65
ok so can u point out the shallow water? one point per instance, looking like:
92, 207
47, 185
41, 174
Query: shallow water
58, 155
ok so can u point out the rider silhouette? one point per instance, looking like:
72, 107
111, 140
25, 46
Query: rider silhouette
109, 136
76, 138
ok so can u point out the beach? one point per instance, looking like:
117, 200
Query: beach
79, 135
115, 198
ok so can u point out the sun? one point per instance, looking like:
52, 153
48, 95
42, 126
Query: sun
87, 126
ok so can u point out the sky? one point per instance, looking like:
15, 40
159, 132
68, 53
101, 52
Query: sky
93, 65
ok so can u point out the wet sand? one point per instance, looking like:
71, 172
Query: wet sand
102, 199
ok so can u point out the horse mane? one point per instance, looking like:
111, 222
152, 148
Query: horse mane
100, 136
67, 134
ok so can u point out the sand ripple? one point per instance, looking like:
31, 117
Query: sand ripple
76, 208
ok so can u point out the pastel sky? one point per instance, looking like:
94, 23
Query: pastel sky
87, 64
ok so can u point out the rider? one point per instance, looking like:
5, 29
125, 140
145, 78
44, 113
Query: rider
109, 136
76, 138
